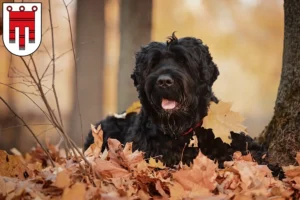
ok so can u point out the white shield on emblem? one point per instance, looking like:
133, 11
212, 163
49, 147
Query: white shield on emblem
22, 27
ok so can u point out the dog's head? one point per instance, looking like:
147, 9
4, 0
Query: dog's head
174, 81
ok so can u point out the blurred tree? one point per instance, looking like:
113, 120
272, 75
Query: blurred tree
282, 135
88, 82
1, 26
9, 137
135, 29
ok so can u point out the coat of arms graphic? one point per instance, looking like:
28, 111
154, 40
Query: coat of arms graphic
22, 27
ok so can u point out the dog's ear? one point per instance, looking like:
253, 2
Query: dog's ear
211, 68
144, 59
214, 72
140, 61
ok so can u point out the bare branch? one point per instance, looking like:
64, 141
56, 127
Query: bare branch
53, 58
49, 64
30, 130
22, 125
69, 3
76, 69
63, 54
47, 50
29, 99
48, 129
45, 31
50, 111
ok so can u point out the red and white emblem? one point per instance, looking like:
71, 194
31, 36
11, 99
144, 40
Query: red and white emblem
22, 27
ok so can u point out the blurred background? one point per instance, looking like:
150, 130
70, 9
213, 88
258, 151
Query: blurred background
245, 38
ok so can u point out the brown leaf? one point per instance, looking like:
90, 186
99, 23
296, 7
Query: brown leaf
124, 157
298, 158
143, 195
238, 156
176, 191
202, 174
62, 179
108, 169
95, 148
161, 191
77, 191
6, 186
12, 166
291, 171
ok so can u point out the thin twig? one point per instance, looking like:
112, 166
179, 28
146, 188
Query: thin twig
53, 58
69, 3
47, 116
46, 50
30, 130
45, 100
48, 129
76, 72
22, 125
49, 64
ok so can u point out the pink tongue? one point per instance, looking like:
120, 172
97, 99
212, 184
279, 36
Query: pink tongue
167, 104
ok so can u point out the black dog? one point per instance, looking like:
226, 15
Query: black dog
174, 82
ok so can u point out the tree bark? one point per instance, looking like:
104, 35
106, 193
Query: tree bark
135, 29
282, 135
90, 64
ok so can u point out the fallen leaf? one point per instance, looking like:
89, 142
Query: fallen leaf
62, 179
95, 148
222, 121
202, 174
77, 191
161, 191
12, 166
135, 107
156, 163
109, 169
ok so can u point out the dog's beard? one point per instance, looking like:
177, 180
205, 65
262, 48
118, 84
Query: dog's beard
173, 110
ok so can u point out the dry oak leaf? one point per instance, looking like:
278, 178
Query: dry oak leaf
222, 120
291, 171
254, 177
125, 157
108, 169
135, 107
62, 179
77, 191
133, 159
6, 185
95, 148
202, 174
298, 158
238, 156
11, 166
156, 163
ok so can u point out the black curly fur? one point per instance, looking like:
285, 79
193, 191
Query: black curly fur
158, 132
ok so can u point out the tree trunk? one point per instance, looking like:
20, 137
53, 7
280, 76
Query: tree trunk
282, 135
1, 26
90, 64
135, 29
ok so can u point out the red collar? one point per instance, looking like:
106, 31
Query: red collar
192, 128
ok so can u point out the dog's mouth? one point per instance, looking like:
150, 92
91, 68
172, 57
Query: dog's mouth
167, 104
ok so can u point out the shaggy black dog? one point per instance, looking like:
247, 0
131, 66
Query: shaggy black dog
174, 82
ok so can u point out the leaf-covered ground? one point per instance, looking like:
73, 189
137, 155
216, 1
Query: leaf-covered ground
122, 174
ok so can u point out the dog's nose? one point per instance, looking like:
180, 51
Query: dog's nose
164, 81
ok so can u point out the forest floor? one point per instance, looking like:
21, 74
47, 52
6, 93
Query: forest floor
120, 173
